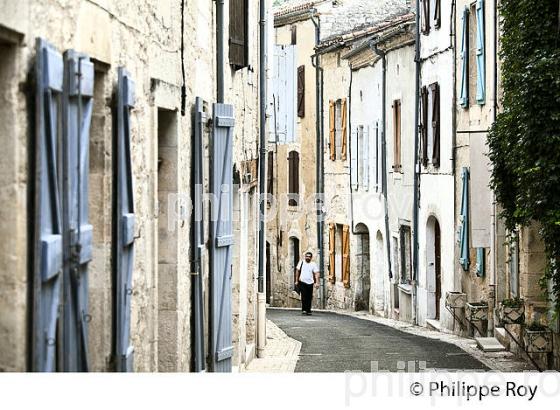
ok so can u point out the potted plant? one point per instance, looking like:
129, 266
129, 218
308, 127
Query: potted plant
512, 311
476, 311
455, 300
537, 338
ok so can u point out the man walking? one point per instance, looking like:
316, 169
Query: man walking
307, 276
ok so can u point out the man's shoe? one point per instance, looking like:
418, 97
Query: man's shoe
309, 314
304, 313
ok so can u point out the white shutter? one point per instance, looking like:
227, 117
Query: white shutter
284, 84
291, 93
354, 158
365, 159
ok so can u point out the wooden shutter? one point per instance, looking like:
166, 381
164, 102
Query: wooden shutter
480, 54
344, 127
332, 253
124, 222
294, 35
437, 14
424, 125
436, 124
270, 175
332, 135
464, 258
238, 33
397, 135
354, 138
293, 178
425, 16
47, 237
301, 91
464, 97
346, 256
365, 159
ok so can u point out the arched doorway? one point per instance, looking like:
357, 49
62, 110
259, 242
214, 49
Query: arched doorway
379, 275
362, 264
433, 268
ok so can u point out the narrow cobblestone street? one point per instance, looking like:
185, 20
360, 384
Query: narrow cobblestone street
337, 343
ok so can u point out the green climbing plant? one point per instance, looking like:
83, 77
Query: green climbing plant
524, 143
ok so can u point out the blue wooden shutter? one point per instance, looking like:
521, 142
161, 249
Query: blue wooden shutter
480, 53
365, 159
78, 233
464, 220
48, 253
124, 223
480, 262
198, 233
464, 97
221, 229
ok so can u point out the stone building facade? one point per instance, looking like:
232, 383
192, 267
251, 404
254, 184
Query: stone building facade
146, 38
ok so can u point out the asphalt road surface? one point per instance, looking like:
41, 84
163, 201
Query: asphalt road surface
339, 343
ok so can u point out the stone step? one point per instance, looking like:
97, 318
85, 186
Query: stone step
433, 325
502, 336
489, 344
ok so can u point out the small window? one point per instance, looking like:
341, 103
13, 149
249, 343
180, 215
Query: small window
238, 33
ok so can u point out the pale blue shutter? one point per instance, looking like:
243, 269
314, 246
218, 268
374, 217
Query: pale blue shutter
480, 262
47, 266
221, 228
464, 220
78, 232
365, 158
124, 223
480, 53
464, 97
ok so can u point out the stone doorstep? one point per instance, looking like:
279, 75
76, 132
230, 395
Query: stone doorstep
433, 325
502, 336
489, 345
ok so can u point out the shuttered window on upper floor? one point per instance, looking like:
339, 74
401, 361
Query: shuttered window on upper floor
397, 162
239, 33
430, 12
431, 125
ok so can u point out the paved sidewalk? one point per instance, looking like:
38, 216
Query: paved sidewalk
280, 355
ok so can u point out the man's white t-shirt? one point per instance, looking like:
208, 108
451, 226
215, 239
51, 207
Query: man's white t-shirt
307, 270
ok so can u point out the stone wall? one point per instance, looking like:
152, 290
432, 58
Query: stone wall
143, 36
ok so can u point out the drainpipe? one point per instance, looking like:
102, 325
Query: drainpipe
493, 236
383, 57
416, 195
220, 53
261, 297
319, 158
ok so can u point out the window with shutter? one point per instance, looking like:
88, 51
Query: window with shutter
294, 35
397, 135
238, 33
301, 91
480, 262
464, 97
293, 175
332, 253
346, 256
377, 158
425, 13
344, 128
424, 126
480, 54
464, 259
332, 135
435, 125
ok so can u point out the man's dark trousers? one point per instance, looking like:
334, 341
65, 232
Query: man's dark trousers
306, 296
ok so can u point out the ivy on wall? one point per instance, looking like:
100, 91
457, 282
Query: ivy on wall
525, 140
